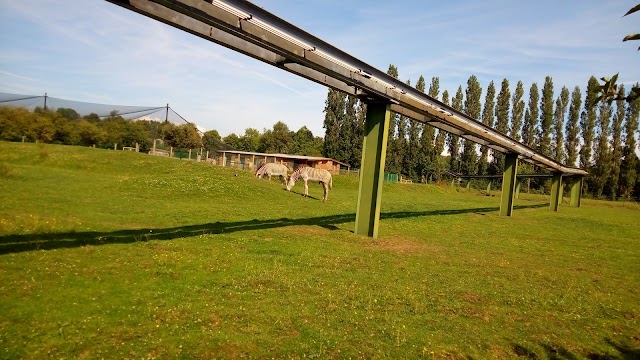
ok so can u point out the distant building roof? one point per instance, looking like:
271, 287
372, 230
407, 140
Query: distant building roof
286, 156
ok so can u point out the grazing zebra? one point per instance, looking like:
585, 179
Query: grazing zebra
272, 169
309, 173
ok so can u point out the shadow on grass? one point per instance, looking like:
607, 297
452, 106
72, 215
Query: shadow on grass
46, 241
550, 351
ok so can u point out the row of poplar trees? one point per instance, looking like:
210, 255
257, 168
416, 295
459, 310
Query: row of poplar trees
597, 136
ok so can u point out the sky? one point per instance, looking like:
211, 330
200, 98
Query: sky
95, 51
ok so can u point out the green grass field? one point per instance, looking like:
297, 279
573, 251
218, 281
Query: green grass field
115, 254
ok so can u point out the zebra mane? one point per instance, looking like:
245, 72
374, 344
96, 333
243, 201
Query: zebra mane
295, 175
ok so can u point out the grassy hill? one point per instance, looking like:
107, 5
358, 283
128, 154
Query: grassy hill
118, 254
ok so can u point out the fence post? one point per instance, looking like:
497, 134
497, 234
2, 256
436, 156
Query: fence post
115, 146
171, 152
137, 147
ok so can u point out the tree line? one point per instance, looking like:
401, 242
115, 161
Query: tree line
66, 126
598, 136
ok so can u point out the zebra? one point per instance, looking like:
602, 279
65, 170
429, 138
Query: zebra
313, 174
272, 169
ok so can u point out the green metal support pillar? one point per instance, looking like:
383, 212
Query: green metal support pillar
518, 186
576, 190
508, 184
374, 152
556, 192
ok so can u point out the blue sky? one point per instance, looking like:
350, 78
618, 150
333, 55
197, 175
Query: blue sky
94, 51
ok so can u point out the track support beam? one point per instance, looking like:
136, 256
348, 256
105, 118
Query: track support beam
374, 152
508, 184
556, 191
575, 184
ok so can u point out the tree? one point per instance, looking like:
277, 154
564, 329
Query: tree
453, 141
420, 145
211, 140
277, 140
487, 119
572, 128
69, 114
531, 117
393, 162
472, 107
438, 147
250, 141
558, 119
231, 140
628, 171
546, 117
588, 123
602, 166
334, 111
518, 111
358, 134
502, 124
345, 140
304, 143
611, 188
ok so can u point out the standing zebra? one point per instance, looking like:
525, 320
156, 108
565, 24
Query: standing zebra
309, 173
272, 169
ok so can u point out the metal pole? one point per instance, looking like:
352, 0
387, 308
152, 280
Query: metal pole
45, 101
166, 117
508, 184
576, 190
374, 151
556, 190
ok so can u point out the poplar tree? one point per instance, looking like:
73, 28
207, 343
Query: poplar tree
358, 134
502, 125
518, 112
611, 187
588, 123
628, 173
472, 107
453, 141
393, 162
414, 154
347, 128
602, 155
531, 117
558, 119
334, 112
546, 117
487, 119
423, 145
401, 143
571, 143
438, 146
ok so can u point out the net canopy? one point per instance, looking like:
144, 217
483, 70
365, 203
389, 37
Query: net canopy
158, 113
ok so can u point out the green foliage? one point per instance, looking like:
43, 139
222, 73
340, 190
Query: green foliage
546, 117
531, 117
453, 141
184, 136
601, 170
518, 112
628, 172
588, 123
502, 125
572, 128
472, 107
488, 118
125, 255
611, 186
558, 120
334, 113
